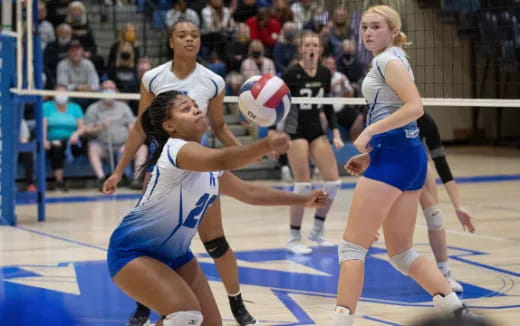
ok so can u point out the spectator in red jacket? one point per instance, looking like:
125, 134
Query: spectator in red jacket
264, 28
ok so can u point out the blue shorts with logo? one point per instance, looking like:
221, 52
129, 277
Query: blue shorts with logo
398, 158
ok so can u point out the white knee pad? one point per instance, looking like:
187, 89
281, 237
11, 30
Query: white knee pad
404, 260
184, 318
350, 251
302, 188
433, 217
332, 187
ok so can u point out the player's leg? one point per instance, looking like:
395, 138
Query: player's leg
299, 160
436, 231
211, 233
95, 157
323, 157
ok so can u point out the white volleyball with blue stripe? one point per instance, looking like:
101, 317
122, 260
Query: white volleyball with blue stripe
265, 100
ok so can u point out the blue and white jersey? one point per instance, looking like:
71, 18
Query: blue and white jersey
202, 84
381, 98
167, 216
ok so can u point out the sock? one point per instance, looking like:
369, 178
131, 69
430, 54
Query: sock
235, 298
343, 317
318, 224
444, 267
295, 232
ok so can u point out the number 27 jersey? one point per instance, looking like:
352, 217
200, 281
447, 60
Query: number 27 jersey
305, 117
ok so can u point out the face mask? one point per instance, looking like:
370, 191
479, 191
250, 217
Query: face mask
108, 101
75, 20
243, 39
256, 54
130, 36
125, 55
347, 56
61, 99
318, 19
64, 41
289, 36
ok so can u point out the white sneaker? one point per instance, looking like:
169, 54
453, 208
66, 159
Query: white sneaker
319, 238
455, 285
297, 247
286, 174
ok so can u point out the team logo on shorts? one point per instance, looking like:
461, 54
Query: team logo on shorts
412, 133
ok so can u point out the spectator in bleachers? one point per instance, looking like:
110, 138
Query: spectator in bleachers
55, 52
264, 28
349, 64
318, 21
181, 11
45, 28
281, 11
256, 63
237, 50
109, 122
286, 49
339, 31
124, 70
57, 10
62, 128
302, 11
217, 23
77, 19
245, 10
349, 117
77, 72
127, 35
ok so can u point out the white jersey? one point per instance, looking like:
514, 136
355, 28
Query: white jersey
381, 98
202, 84
167, 216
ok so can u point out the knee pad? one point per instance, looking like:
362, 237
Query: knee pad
404, 260
217, 248
302, 188
332, 187
433, 217
351, 251
184, 318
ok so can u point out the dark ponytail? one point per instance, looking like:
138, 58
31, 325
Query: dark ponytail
151, 122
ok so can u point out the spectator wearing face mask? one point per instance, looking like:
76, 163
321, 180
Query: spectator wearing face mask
62, 128
77, 19
238, 48
265, 29
108, 122
55, 52
127, 35
339, 32
45, 28
286, 49
349, 64
318, 21
256, 63
302, 11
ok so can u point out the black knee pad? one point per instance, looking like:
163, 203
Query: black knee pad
217, 248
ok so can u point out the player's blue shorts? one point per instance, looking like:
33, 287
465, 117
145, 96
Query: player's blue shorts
398, 158
117, 258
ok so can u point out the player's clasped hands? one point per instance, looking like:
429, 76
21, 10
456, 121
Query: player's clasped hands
279, 142
317, 198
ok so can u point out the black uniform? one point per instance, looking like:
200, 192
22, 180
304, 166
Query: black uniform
303, 121
429, 133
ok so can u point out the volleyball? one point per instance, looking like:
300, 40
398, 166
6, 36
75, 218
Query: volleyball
264, 100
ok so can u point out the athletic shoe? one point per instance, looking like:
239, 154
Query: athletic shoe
297, 247
319, 238
242, 316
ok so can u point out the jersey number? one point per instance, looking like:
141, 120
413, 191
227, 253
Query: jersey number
197, 213
307, 92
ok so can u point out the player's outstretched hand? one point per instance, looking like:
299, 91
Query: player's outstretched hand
358, 164
317, 198
110, 185
465, 219
279, 142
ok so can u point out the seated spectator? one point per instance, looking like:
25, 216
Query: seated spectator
77, 18
349, 117
217, 23
237, 49
77, 72
349, 64
45, 28
286, 49
108, 122
181, 11
339, 32
55, 52
124, 70
302, 11
256, 63
57, 11
281, 11
245, 10
127, 34
318, 21
264, 28
62, 128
